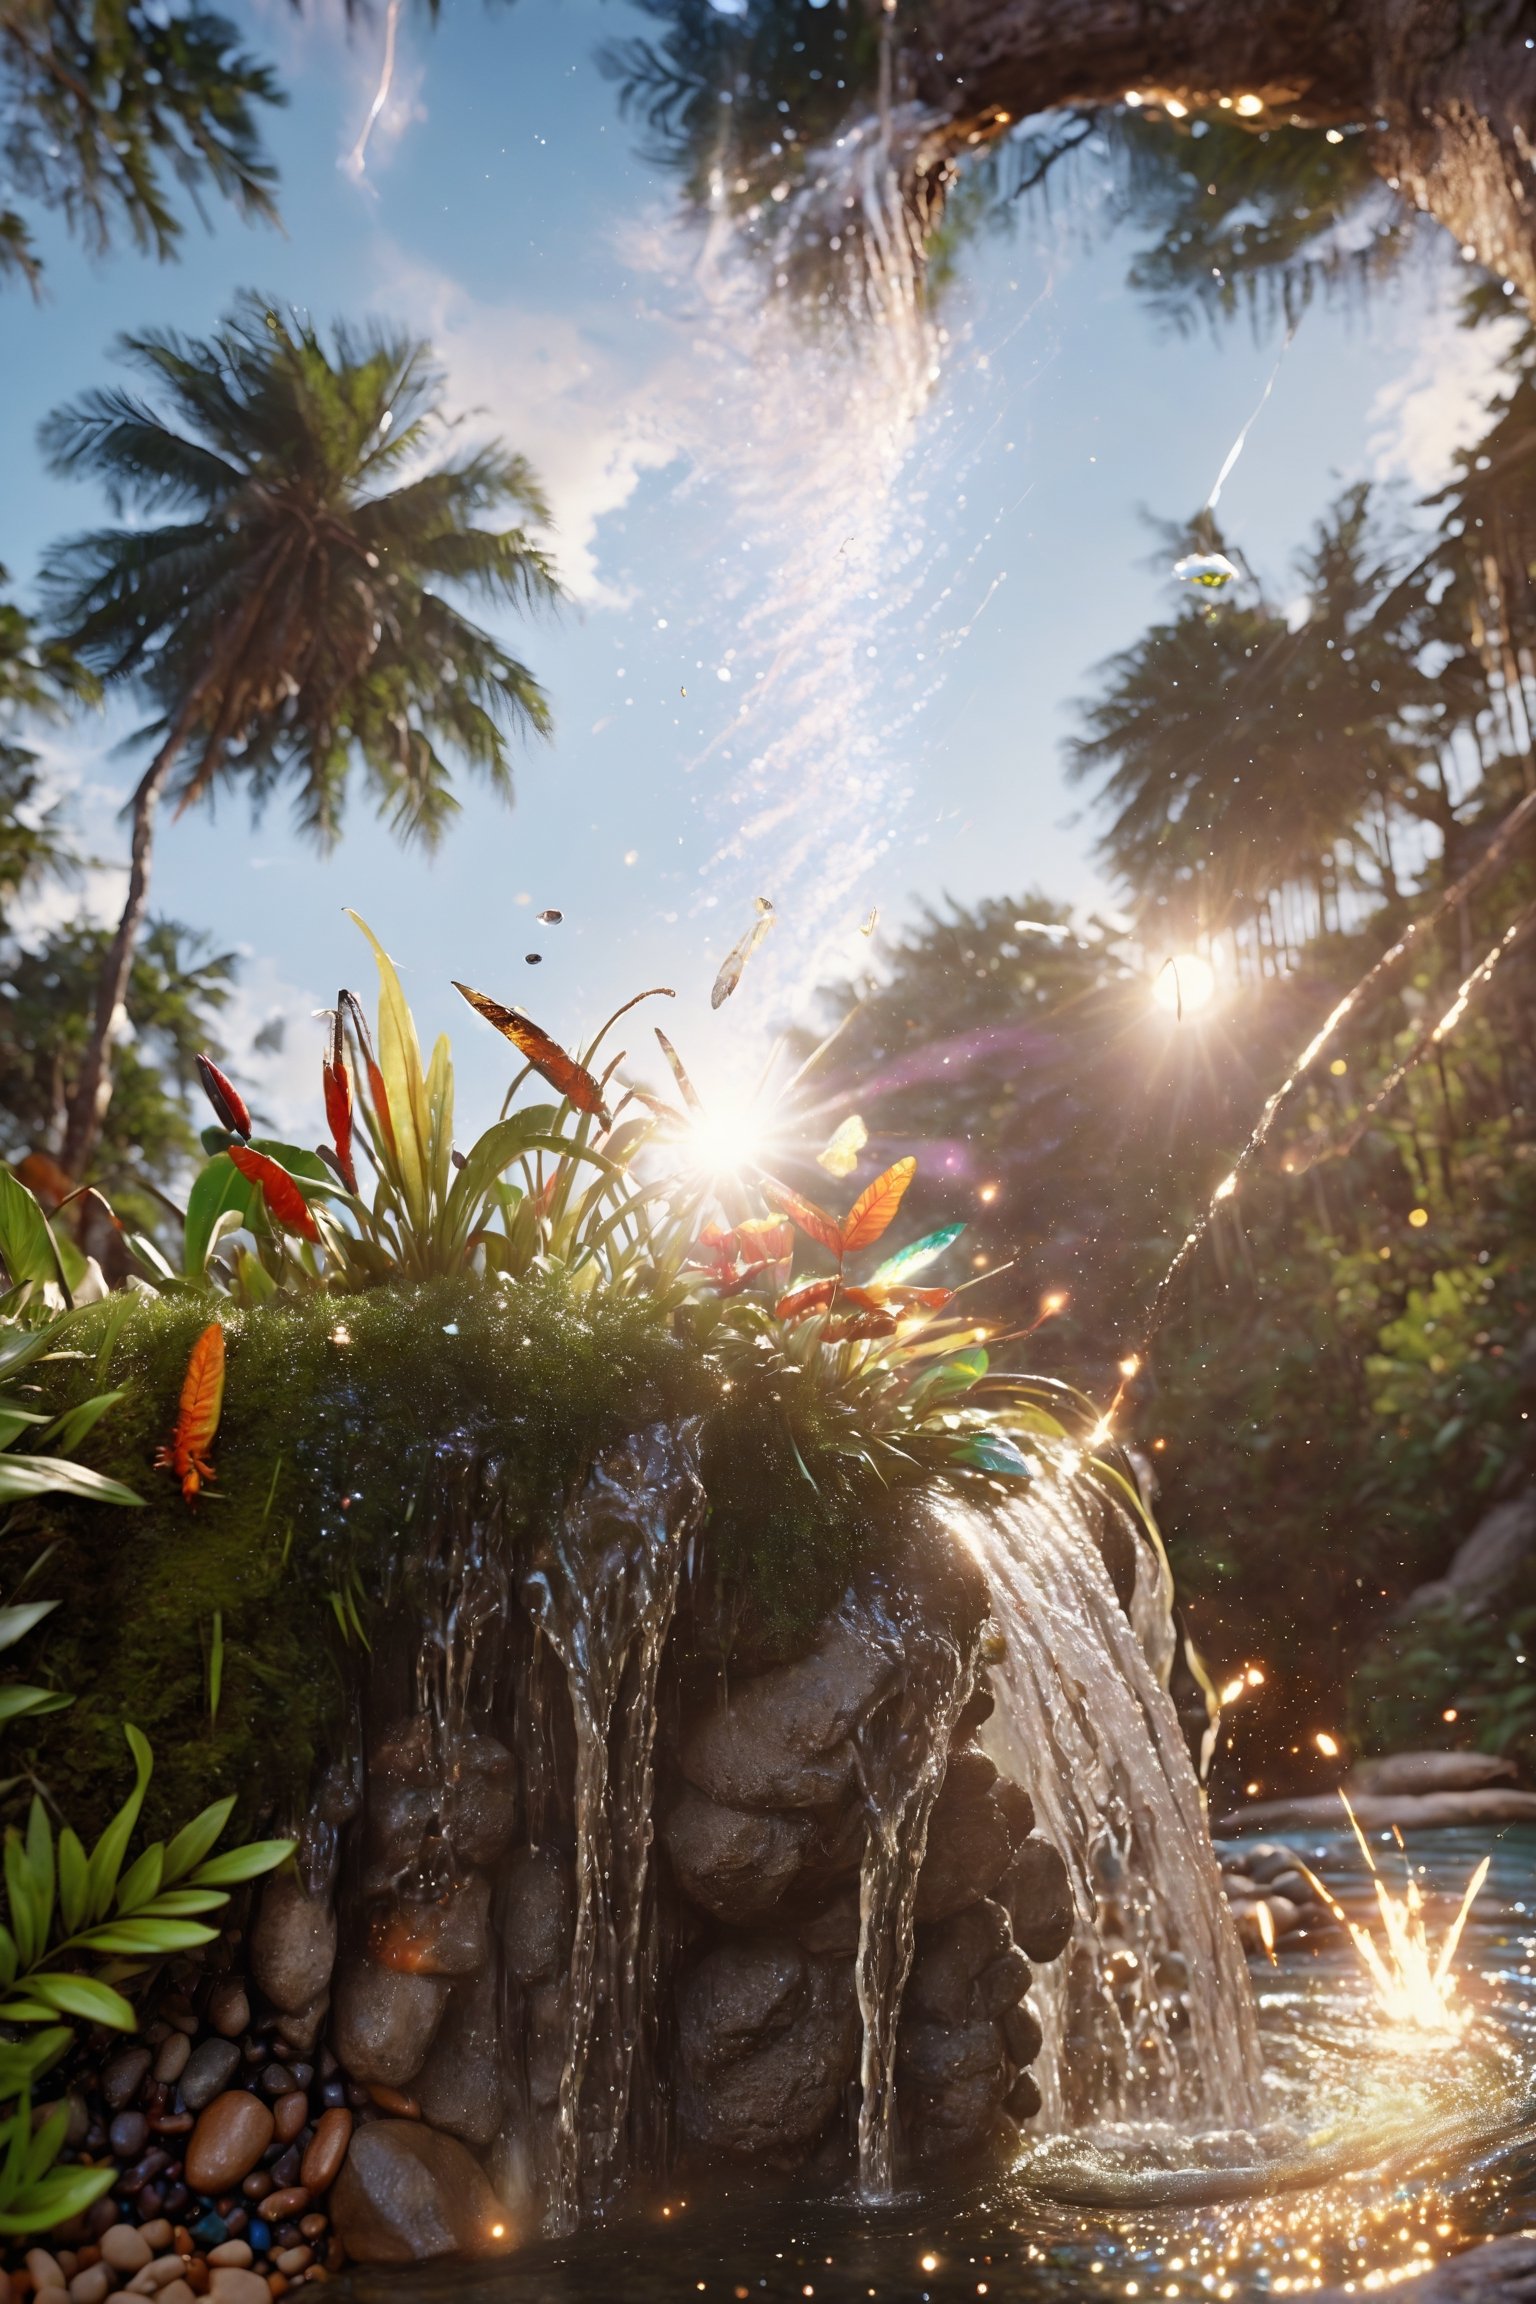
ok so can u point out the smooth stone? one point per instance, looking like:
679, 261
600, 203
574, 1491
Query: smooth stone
1038, 1893
300, 2028
425, 1790
91, 2285
230, 2252
124, 2248
229, 2284
385, 2020
538, 1915
970, 1772
733, 1862
1022, 2035
210, 2068
128, 2134
327, 2150
782, 1740
230, 2137
460, 2086
289, 2115
971, 1842
229, 2008
171, 2061
450, 1936
1023, 2099
293, 1942
1411, 1772
44, 2269
123, 2076
952, 2082
1004, 1984
408, 2193
951, 1958
547, 2004
178, 2291
767, 2043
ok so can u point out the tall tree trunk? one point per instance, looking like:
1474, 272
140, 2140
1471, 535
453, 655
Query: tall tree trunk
1448, 87
93, 1089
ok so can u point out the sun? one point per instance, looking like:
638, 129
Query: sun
1184, 984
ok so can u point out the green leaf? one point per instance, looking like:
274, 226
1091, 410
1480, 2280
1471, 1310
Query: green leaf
24, 2061
194, 1840
26, 1236
8, 1959
23, 1476
74, 1876
15, 1421
218, 1186
150, 1256
908, 1262
16, 1622
143, 1936
994, 1452
65, 2193
19, 1900
950, 1377
40, 1864
181, 1903
83, 1996
70, 1430
107, 1856
19, 1702
215, 1667
141, 1882
247, 1863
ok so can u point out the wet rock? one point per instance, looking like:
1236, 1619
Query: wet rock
949, 1960
1005, 1983
1038, 1893
209, 2069
733, 1862
1023, 2099
970, 1771
385, 2020
326, 2151
782, 1740
547, 2013
299, 2029
833, 1932
229, 2008
293, 1942
408, 2193
1022, 2035
460, 2085
450, 1936
971, 1842
230, 2137
123, 2075
538, 1914
955, 2060
427, 1793
767, 2043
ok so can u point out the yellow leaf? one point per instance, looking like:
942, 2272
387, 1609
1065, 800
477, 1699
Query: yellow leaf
400, 1064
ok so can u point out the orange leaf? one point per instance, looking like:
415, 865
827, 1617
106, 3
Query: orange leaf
874, 1208
197, 1416
378, 1095
910, 1299
803, 1301
764, 1240
286, 1204
573, 1080
841, 1331
814, 1222
225, 1098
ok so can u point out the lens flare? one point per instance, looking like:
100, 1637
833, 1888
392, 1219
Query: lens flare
1184, 985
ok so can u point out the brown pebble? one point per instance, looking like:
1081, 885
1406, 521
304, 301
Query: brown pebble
290, 2112
230, 2137
53, 2294
328, 2148
229, 2011
395, 2100
172, 2123
313, 2225
197, 2276
278, 2283
45, 2270
282, 2207
293, 2261
177, 2291
124, 2247
257, 2185
158, 2233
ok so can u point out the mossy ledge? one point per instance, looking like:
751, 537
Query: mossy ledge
332, 1412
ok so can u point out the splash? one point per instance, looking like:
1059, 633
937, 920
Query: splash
603, 1590
1415, 1984
1148, 2016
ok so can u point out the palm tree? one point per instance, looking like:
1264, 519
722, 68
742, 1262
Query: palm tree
285, 621
37, 681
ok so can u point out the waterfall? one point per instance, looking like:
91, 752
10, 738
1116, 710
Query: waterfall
1148, 2017
603, 1590
903, 1751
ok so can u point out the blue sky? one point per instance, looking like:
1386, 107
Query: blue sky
880, 612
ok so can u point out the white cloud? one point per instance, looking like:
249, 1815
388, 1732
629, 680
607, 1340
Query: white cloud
588, 425
1438, 404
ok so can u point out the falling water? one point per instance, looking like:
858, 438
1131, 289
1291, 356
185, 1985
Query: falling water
603, 1590
1148, 2017
903, 1750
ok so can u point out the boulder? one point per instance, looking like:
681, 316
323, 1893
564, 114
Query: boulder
538, 1914
385, 2020
448, 1936
407, 2192
293, 1943
782, 1740
964, 2035
1037, 1891
971, 1842
460, 2085
767, 2042
952, 2082
733, 1862
1428, 1772
429, 1791
548, 2018
1484, 1567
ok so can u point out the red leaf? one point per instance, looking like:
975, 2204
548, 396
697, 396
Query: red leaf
338, 1111
225, 1098
874, 1208
285, 1202
348, 1003
573, 1080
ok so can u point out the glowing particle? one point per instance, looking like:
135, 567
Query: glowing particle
929, 2263
1174, 109
987, 1194
1326, 1744
1249, 105
1210, 570
1129, 1365
1450, 1714
1418, 1218
1255, 1676
631, 855
1226, 1187
1338, 1067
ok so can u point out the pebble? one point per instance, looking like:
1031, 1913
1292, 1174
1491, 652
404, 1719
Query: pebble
178, 2292
122, 2077
46, 2270
172, 2059
328, 2148
159, 2232
291, 2112
278, 2207
125, 2248
91, 2285
276, 2080
210, 2068
295, 2260
313, 2226
128, 2134
229, 2010
229, 2285
230, 2252
53, 2294
230, 2137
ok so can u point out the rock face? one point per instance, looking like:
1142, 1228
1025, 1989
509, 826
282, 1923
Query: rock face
965, 2037
767, 2042
783, 1740
538, 1915
407, 2193
460, 2086
734, 1862
436, 1801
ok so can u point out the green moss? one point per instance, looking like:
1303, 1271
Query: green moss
333, 1409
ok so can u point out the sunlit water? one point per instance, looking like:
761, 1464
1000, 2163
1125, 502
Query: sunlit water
1441, 2141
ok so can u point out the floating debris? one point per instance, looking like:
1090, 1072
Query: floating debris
1210, 570
848, 1139
551, 918
564, 1074
868, 928
739, 954
534, 959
